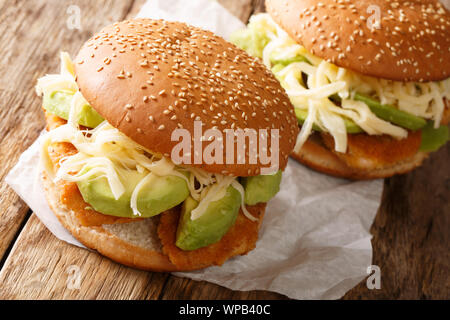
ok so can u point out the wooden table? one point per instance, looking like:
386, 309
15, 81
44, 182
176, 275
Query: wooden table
411, 230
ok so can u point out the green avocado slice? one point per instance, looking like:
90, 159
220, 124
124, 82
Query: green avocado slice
392, 114
433, 139
261, 188
58, 103
158, 195
212, 225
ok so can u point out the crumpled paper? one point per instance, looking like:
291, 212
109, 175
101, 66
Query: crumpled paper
314, 242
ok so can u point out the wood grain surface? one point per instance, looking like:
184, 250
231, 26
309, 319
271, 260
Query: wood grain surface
411, 231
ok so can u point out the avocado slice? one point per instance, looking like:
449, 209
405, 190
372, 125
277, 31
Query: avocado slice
158, 195
350, 126
212, 225
261, 188
433, 138
392, 114
58, 103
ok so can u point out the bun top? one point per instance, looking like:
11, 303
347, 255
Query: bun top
412, 42
149, 77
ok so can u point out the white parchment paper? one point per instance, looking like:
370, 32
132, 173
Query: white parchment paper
314, 241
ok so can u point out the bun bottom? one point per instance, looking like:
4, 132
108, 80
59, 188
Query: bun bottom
137, 244
320, 158
134, 251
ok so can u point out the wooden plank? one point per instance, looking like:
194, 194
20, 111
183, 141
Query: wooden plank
182, 288
135, 8
31, 35
241, 9
42, 267
258, 6
411, 239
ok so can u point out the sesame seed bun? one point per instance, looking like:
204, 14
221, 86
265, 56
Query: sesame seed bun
411, 44
149, 77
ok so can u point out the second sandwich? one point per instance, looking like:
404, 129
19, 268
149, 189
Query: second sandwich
370, 80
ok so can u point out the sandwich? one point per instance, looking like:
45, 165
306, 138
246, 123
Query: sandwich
369, 80
133, 164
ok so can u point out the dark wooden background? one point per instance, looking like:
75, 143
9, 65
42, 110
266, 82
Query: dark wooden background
411, 230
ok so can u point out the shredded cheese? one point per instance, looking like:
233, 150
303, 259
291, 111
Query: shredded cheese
324, 79
64, 81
